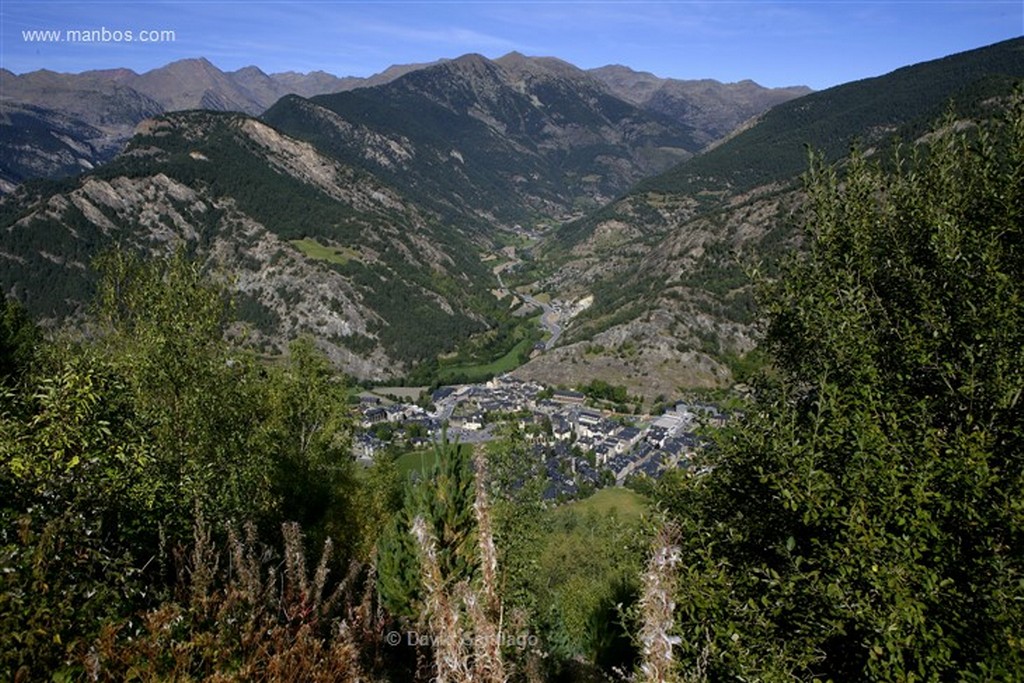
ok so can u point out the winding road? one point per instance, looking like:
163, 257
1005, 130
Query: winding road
549, 318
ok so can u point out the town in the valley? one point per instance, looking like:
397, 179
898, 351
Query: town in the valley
580, 445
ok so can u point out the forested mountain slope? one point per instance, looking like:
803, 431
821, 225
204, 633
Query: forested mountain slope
308, 244
492, 142
667, 264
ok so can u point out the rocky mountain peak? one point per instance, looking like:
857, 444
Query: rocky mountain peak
458, 84
470, 66
190, 69
518, 63
708, 105
191, 83
632, 86
116, 75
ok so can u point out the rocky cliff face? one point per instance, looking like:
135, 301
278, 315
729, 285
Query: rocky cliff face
38, 143
54, 125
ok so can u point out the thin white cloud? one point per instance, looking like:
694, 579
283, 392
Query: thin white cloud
450, 36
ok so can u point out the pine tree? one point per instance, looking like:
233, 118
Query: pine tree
444, 498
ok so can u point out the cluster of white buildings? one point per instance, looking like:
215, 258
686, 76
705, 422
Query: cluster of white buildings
577, 442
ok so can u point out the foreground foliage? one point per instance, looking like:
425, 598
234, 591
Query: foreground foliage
866, 523
111, 446
243, 613
160, 489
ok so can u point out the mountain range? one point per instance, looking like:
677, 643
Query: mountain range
495, 142
374, 213
56, 124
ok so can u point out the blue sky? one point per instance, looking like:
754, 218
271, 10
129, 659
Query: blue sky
774, 43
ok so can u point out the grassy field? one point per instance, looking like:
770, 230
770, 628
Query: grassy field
313, 249
479, 371
415, 461
608, 501
420, 460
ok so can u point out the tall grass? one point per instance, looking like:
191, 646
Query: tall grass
656, 608
243, 613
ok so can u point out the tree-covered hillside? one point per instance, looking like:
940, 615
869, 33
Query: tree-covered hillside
668, 264
265, 212
866, 113
865, 521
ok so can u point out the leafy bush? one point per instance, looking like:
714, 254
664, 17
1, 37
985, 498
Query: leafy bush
865, 522
111, 447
